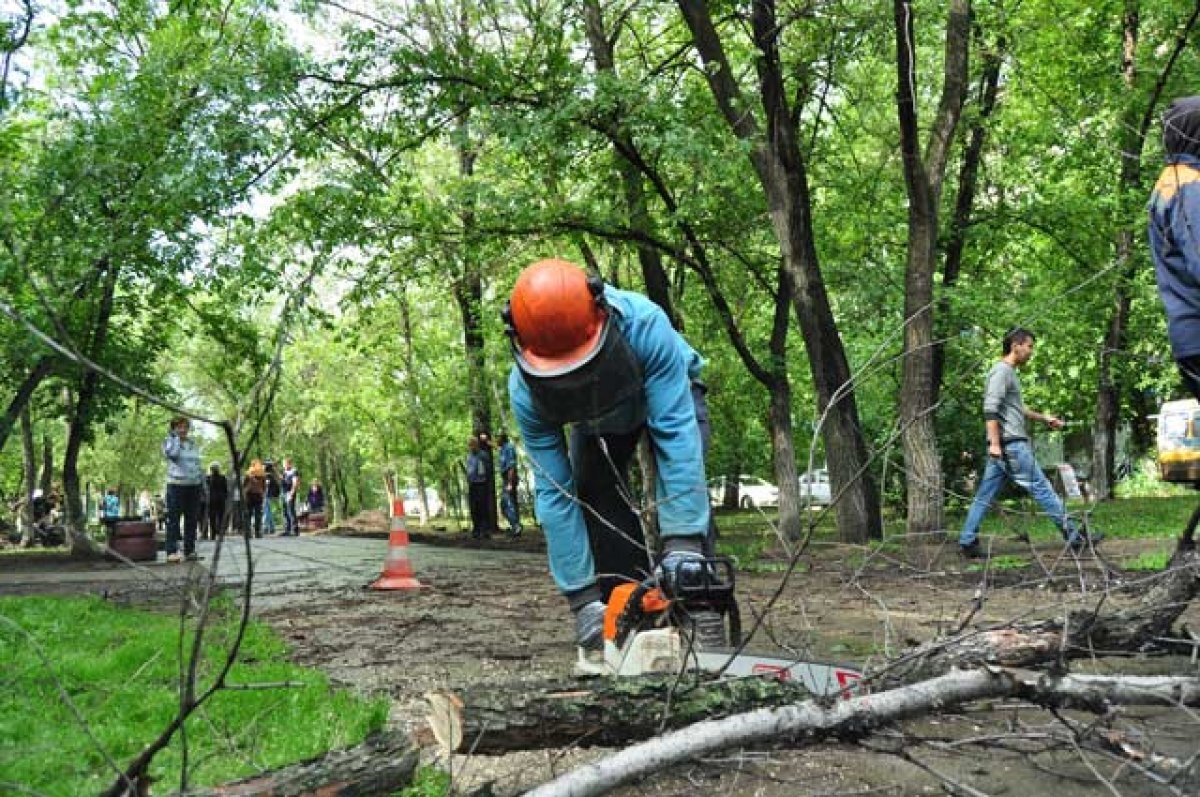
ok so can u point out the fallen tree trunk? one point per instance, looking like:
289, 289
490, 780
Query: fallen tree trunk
1081, 634
604, 712
382, 764
810, 722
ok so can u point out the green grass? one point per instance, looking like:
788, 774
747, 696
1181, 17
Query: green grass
1006, 562
747, 534
428, 782
1123, 518
120, 668
1148, 560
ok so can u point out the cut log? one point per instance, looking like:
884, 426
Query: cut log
810, 722
382, 764
594, 712
1081, 634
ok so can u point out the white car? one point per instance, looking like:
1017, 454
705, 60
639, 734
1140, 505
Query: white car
814, 488
752, 491
412, 504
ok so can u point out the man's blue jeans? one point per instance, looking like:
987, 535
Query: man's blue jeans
1019, 466
508, 505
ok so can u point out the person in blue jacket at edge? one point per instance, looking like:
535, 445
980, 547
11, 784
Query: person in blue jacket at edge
1174, 229
608, 364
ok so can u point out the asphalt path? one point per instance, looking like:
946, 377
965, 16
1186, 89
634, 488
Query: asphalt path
282, 568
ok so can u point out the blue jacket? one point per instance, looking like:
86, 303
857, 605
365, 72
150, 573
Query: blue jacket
183, 461
476, 467
1175, 245
669, 365
508, 457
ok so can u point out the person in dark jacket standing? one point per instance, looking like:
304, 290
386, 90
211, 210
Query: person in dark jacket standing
270, 497
290, 485
218, 500
1175, 236
1175, 249
477, 489
185, 484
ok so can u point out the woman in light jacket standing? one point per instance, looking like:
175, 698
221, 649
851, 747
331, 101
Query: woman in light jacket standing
185, 483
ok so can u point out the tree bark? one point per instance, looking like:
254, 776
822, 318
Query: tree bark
1078, 635
383, 764
80, 422
811, 722
20, 400
964, 202
596, 712
924, 178
28, 476
46, 480
779, 165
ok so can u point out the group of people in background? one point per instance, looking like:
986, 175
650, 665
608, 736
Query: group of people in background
272, 493
481, 476
196, 500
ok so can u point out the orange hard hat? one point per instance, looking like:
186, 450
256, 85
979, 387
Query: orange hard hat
556, 315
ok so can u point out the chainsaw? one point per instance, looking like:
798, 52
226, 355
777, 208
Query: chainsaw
690, 622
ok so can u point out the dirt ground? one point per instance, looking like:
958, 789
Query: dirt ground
490, 617
511, 630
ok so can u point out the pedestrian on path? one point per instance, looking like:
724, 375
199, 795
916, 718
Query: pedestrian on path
1009, 453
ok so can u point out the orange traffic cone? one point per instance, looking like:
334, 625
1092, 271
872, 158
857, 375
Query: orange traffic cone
397, 569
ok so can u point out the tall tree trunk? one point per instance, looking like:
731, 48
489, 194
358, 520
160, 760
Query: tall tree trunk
469, 294
779, 417
779, 165
28, 476
416, 423
1108, 390
20, 400
46, 480
924, 178
964, 203
80, 419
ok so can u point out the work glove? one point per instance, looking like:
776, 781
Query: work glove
589, 626
681, 569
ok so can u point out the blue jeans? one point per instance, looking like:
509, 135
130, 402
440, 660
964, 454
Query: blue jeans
268, 518
1019, 466
508, 505
289, 516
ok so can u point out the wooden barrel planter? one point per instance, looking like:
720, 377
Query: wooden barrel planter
133, 539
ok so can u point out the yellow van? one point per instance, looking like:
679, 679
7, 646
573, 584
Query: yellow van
1179, 441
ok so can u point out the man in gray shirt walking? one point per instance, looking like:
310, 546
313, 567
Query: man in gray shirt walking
1010, 456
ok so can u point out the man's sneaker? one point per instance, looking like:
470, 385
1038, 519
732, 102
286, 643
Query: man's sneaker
972, 551
192, 557
1081, 541
174, 558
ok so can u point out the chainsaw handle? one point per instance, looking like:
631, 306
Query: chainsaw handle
715, 579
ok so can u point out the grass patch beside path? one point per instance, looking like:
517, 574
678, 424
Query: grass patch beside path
121, 668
